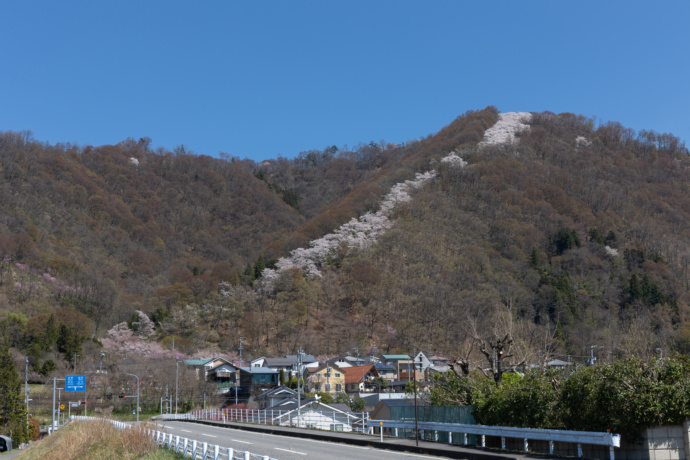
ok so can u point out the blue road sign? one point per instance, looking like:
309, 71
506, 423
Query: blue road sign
75, 383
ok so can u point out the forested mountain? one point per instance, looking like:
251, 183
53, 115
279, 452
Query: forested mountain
573, 235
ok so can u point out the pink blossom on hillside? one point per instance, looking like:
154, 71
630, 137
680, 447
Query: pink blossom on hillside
121, 339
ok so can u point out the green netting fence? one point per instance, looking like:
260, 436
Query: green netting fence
438, 414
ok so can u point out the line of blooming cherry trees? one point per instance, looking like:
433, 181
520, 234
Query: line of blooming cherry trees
355, 234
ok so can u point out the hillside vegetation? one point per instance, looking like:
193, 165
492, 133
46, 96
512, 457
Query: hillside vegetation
574, 235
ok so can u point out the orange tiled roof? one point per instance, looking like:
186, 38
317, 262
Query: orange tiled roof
355, 374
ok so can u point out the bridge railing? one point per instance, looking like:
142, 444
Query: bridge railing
610, 440
327, 420
185, 446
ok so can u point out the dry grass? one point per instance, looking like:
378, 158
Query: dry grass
96, 440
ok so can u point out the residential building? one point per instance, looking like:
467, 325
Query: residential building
325, 378
399, 362
276, 398
256, 378
358, 378
386, 371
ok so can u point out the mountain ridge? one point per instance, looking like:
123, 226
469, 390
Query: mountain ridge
528, 227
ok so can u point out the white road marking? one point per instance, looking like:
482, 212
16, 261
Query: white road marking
291, 451
186, 431
209, 435
243, 442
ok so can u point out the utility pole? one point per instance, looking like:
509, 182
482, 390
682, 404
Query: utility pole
414, 379
75, 362
241, 348
299, 388
26, 389
177, 365
52, 427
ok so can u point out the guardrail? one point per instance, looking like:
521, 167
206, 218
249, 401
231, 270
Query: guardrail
575, 437
185, 446
327, 420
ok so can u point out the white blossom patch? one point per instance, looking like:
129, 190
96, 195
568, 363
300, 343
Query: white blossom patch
508, 125
611, 251
582, 141
133, 161
454, 160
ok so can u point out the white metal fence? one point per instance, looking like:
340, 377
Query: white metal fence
610, 440
319, 419
185, 446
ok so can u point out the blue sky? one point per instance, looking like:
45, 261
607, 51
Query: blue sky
262, 79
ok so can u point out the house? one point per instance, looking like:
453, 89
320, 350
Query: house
256, 378
315, 414
382, 411
325, 378
439, 360
341, 362
358, 378
276, 397
399, 362
386, 371
558, 363
224, 374
204, 365
306, 359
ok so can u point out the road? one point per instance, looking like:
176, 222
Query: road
281, 447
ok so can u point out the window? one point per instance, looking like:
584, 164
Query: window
338, 388
337, 374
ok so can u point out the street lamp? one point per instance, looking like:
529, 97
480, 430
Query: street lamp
137, 394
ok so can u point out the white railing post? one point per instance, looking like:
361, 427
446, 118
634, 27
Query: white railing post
204, 450
216, 452
247, 455
526, 445
231, 453
184, 447
177, 443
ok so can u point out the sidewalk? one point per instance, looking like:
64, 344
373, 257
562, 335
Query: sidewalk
396, 444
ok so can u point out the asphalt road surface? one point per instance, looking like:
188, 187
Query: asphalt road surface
281, 447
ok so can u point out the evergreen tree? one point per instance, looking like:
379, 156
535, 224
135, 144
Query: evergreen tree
51, 334
12, 409
68, 343
259, 267
635, 289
